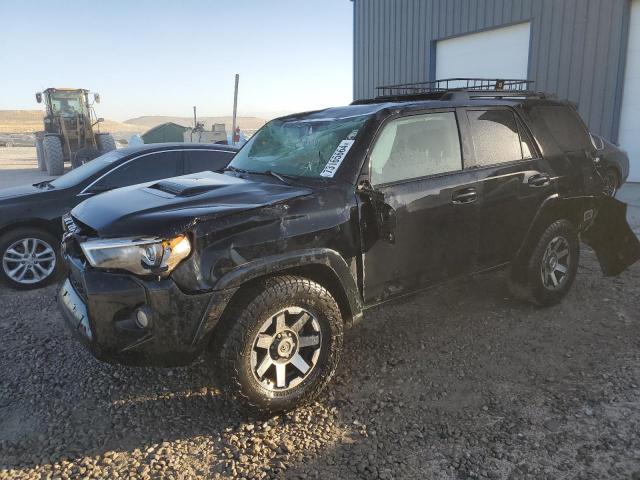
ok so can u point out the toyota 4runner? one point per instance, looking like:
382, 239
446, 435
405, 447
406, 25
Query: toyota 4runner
324, 214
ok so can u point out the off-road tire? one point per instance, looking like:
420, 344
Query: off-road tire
10, 237
83, 156
53, 154
527, 285
240, 325
42, 164
105, 142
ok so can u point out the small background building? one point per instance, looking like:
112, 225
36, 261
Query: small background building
165, 132
587, 51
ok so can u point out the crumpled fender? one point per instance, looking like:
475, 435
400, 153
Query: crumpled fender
343, 285
611, 237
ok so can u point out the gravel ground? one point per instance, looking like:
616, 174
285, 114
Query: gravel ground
459, 382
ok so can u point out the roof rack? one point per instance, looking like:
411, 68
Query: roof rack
455, 88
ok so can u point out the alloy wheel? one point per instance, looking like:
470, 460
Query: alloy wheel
555, 263
610, 184
286, 349
29, 260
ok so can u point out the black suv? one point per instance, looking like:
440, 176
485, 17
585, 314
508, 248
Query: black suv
324, 214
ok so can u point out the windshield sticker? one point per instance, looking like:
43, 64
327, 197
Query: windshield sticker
336, 159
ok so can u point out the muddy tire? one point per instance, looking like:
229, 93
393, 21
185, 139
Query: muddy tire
53, 154
546, 276
105, 142
29, 258
42, 164
83, 156
279, 344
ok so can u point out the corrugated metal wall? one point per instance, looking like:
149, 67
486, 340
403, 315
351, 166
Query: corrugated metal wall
577, 46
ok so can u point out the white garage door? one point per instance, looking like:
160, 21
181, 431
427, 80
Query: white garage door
499, 53
630, 114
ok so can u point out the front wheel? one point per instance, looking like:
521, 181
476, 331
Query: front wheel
281, 343
547, 275
30, 258
105, 142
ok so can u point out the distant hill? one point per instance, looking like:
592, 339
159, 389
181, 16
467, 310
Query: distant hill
29, 121
245, 123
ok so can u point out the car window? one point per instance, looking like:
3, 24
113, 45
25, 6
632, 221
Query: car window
495, 137
564, 125
416, 146
146, 168
203, 160
528, 151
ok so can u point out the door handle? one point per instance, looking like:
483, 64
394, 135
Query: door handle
539, 180
466, 195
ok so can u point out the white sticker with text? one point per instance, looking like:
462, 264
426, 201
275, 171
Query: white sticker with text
336, 159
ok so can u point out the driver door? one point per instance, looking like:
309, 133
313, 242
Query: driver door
419, 207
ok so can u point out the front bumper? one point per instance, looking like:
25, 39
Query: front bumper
100, 308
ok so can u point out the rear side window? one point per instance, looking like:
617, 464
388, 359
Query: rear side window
416, 146
154, 166
206, 160
564, 125
495, 136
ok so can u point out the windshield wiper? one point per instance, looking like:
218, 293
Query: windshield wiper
271, 173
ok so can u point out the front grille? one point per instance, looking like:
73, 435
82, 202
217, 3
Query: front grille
78, 286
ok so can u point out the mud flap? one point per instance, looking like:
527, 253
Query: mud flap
615, 244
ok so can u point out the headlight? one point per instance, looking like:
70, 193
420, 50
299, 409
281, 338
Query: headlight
143, 256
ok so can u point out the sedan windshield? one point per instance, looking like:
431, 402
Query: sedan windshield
301, 147
83, 172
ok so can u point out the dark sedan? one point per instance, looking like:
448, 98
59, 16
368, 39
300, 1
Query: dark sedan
30, 215
613, 164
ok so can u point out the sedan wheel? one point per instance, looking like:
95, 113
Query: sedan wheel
28, 261
29, 258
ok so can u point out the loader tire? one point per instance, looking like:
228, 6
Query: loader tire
53, 154
105, 142
42, 164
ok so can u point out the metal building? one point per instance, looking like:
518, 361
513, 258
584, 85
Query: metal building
587, 51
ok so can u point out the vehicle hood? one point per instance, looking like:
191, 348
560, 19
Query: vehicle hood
171, 206
20, 191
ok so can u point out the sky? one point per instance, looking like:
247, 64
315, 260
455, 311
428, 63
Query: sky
162, 57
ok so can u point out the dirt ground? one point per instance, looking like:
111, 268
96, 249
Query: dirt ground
460, 382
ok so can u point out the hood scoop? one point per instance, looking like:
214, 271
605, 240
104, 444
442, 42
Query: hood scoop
192, 186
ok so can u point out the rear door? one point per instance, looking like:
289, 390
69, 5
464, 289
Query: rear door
422, 222
515, 181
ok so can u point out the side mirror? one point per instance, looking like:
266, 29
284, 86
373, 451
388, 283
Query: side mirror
39, 97
96, 97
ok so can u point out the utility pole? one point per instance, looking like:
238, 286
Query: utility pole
235, 110
195, 122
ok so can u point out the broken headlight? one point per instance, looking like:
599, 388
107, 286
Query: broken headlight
142, 256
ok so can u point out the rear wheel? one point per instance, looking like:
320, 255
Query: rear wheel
551, 268
29, 257
42, 164
105, 142
83, 156
53, 154
610, 182
280, 344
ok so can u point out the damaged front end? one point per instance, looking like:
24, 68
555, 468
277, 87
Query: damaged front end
611, 237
